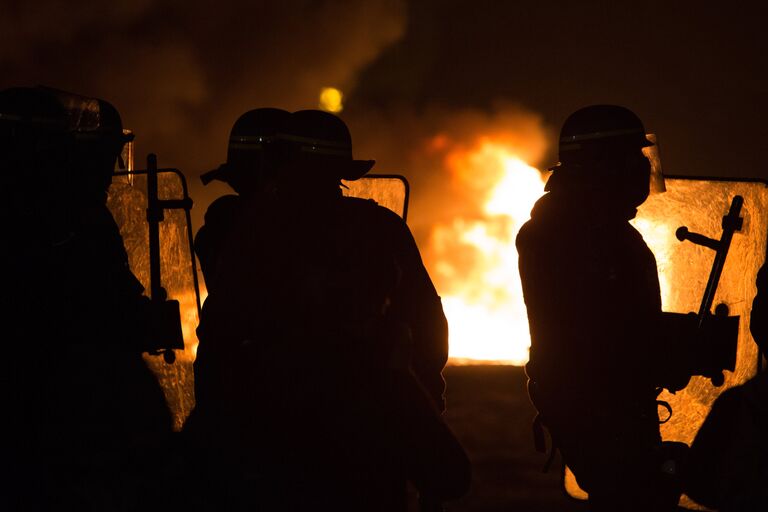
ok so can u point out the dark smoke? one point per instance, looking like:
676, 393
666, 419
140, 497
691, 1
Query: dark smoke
181, 72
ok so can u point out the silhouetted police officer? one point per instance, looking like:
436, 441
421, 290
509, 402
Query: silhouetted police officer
253, 157
594, 308
90, 417
327, 330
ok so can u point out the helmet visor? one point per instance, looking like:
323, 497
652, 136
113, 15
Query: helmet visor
656, 185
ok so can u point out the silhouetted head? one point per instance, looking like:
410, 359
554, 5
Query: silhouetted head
597, 132
601, 152
97, 143
318, 146
253, 154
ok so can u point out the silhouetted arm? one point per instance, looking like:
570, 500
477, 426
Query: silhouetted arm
593, 304
99, 300
210, 238
417, 304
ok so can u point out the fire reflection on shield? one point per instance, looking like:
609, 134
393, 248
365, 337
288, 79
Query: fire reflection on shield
128, 204
700, 205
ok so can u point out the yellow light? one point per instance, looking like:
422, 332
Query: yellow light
331, 100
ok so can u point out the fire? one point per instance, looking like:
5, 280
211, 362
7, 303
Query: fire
476, 260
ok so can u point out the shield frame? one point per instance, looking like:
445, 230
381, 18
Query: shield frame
174, 370
350, 185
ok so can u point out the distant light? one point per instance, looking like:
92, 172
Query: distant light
331, 100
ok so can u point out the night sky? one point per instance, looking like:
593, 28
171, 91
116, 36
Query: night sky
181, 73
695, 72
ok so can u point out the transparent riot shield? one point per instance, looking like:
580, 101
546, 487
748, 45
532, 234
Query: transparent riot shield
684, 268
128, 202
388, 190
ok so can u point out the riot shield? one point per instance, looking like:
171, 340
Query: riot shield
128, 202
684, 268
388, 190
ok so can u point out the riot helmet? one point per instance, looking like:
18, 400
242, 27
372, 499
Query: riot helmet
98, 138
253, 151
597, 132
319, 147
605, 147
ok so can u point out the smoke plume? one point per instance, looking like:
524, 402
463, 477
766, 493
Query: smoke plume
181, 72
422, 145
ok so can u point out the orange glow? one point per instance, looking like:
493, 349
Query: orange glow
475, 260
659, 234
189, 318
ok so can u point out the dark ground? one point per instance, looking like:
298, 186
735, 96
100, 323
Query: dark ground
488, 408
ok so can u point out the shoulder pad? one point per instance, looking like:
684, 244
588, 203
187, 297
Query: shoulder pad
360, 200
370, 207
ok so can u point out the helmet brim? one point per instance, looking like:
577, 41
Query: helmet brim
356, 169
643, 143
221, 173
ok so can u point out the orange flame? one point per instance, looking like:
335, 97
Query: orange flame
475, 263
